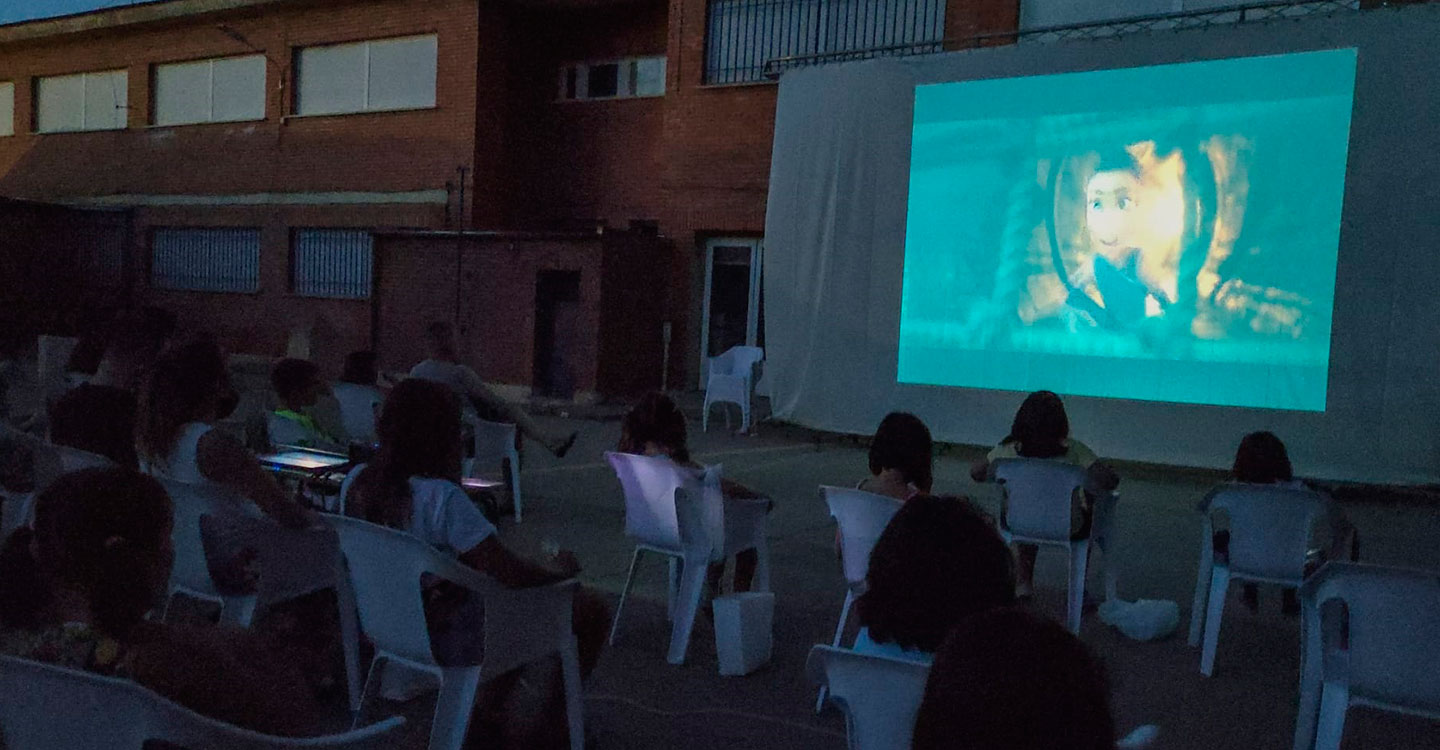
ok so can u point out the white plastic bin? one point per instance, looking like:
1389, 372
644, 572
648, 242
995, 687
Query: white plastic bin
742, 631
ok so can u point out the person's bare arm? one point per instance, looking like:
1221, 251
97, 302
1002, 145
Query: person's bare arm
225, 461
513, 571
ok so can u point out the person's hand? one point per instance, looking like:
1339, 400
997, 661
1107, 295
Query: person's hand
565, 561
1083, 276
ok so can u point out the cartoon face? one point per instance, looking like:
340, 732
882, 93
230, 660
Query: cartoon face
1112, 213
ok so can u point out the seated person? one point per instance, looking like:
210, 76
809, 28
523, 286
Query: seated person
298, 385
74, 592
413, 485
901, 456
360, 396
938, 561
1262, 459
1042, 430
98, 420
1008, 679
656, 427
443, 366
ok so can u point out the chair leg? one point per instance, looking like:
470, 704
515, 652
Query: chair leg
1202, 587
453, 708
1219, 586
745, 417
692, 585
1334, 701
839, 634
349, 637
705, 414
672, 588
574, 702
761, 581
625, 592
1307, 715
365, 690
1079, 556
514, 461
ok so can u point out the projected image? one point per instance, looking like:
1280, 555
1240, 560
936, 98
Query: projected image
1166, 233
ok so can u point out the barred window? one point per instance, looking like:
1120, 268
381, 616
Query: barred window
206, 260
331, 263
743, 35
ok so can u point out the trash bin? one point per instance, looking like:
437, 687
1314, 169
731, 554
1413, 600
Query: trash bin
742, 631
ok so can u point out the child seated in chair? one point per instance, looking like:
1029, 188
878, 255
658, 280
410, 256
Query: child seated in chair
299, 387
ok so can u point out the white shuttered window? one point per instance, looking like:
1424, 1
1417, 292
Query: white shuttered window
373, 76
84, 101
228, 89
206, 260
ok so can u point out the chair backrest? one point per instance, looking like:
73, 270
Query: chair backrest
48, 707
358, 410
1269, 527
16, 508
1038, 496
668, 505
1391, 617
738, 361
192, 503
861, 516
880, 696
494, 441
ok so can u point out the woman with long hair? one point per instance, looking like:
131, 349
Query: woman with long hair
901, 458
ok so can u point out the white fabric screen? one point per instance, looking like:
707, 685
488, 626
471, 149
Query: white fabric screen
7, 108
380, 75
85, 101
835, 233
220, 90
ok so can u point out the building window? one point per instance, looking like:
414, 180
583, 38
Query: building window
85, 101
743, 35
374, 76
206, 260
7, 108
228, 89
614, 79
331, 263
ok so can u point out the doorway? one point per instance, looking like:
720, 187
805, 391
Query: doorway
733, 309
557, 332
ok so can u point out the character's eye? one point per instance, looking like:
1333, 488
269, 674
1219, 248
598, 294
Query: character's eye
1096, 205
1125, 204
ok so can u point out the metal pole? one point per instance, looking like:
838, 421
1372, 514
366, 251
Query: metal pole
460, 246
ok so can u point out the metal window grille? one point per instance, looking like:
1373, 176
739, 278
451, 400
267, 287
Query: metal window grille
332, 263
742, 35
206, 260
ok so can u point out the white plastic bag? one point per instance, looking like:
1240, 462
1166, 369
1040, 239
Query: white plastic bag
1142, 620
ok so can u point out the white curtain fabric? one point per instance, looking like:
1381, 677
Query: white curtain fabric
835, 235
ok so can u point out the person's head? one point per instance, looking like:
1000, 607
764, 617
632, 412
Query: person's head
938, 561
97, 419
189, 383
1112, 195
655, 426
297, 382
902, 442
419, 433
1009, 679
1041, 427
102, 535
361, 368
1262, 459
440, 340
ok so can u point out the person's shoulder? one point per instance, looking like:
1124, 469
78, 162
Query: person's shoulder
434, 489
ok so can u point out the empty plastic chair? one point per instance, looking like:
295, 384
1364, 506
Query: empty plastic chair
680, 513
495, 450
47, 707
879, 696
1370, 636
1038, 499
861, 516
1269, 537
521, 626
731, 380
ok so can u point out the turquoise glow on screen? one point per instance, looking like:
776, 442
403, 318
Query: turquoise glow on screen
1165, 233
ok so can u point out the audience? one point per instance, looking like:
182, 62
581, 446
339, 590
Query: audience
74, 591
360, 396
443, 366
901, 454
656, 427
298, 385
1008, 679
1042, 430
98, 420
939, 561
413, 485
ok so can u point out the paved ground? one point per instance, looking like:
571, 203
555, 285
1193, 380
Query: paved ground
637, 700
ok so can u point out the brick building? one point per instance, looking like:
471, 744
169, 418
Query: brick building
259, 142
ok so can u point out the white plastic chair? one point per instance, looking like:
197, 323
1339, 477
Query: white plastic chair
1369, 637
494, 448
359, 407
731, 380
1269, 536
861, 516
880, 696
190, 573
1038, 498
47, 707
520, 626
681, 514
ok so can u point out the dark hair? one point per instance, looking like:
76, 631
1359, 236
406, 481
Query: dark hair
902, 442
440, 335
361, 368
96, 418
1009, 679
1116, 158
185, 382
290, 376
98, 530
419, 432
1040, 428
939, 560
655, 419
1262, 459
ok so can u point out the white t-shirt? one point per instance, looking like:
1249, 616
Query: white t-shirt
181, 465
441, 514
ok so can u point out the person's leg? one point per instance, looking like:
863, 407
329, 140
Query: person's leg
1025, 555
488, 400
